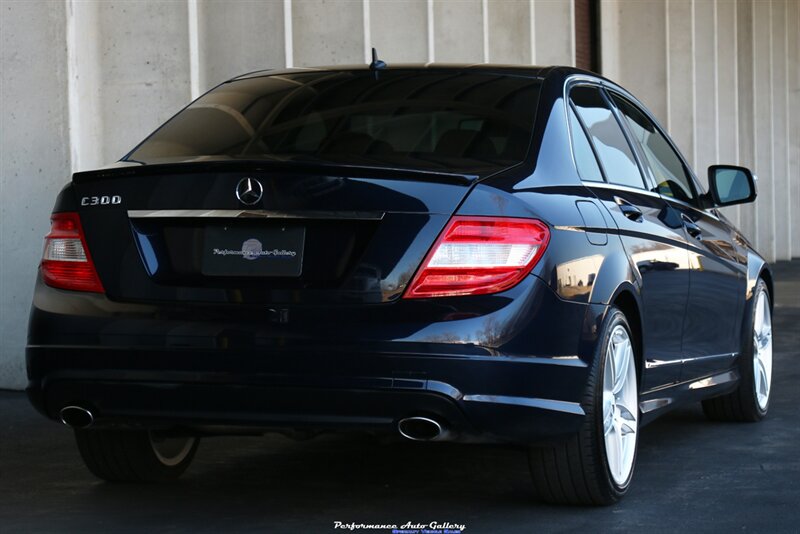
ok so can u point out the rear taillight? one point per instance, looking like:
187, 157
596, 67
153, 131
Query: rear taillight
479, 255
66, 263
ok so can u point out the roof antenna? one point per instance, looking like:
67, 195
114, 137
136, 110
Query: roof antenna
376, 64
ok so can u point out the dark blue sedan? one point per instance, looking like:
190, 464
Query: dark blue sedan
455, 253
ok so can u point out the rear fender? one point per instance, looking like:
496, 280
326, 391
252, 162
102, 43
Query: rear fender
614, 276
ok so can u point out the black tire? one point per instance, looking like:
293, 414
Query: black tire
741, 405
130, 456
576, 471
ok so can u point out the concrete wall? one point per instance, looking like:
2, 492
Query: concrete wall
84, 81
34, 159
722, 76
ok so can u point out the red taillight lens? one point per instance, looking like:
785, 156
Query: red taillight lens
479, 255
66, 263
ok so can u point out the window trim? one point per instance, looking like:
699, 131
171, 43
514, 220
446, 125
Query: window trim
653, 194
589, 82
571, 107
686, 168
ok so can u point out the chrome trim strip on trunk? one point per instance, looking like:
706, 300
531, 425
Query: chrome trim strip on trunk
255, 214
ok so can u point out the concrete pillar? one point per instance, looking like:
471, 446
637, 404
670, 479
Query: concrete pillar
34, 159
764, 139
458, 31
680, 76
745, 87
793, 78
554, 32
633, 48
609, 38
85, 85
238, 37
144, 61
780, 155
705, 87
327, 32
727, 109
399, 30
509, 38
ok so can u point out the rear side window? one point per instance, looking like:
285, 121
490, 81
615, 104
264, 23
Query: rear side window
607, 137
585, 159
669, 171
445, 120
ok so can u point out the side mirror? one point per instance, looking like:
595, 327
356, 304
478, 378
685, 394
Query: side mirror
729, 185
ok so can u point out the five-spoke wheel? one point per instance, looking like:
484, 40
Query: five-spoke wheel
595, 466
750, 400
620, 405
762, 350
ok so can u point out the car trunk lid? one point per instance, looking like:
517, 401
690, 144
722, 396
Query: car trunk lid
318, 233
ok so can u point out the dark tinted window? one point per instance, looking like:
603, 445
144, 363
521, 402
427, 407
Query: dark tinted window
668, 169
584, 156
609, 141
445, 120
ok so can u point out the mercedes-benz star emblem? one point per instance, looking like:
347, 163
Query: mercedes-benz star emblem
249, 191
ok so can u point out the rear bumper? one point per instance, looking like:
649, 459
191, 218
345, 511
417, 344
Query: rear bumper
376, 400
133, 368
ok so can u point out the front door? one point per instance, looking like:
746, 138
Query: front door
718, 277
717, 267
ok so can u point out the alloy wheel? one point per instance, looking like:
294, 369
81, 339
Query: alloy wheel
620, 405
762, 350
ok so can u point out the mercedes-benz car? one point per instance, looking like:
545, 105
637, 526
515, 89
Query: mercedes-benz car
479, 253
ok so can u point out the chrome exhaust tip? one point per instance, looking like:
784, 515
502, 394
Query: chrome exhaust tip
76, 417
420, 429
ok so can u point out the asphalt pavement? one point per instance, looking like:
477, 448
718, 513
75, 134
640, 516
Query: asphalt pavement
692, 475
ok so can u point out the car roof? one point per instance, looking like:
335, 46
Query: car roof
519, 70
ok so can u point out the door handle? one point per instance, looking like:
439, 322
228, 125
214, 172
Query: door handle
629, 210
691, 227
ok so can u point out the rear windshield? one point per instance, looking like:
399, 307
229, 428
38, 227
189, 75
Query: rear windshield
433, 120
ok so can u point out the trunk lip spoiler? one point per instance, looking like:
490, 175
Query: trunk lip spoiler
256, 214
125, 168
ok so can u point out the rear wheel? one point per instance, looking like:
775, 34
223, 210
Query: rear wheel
135, 455
750, 401
595, 466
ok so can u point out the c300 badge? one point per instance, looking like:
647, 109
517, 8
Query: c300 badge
104, 200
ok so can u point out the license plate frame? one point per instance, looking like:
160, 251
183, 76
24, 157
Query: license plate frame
269, 251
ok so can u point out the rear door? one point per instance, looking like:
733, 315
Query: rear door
651, 234
717, 265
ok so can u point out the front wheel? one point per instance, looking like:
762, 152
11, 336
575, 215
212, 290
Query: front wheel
750, 401
595, 466
135, 455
